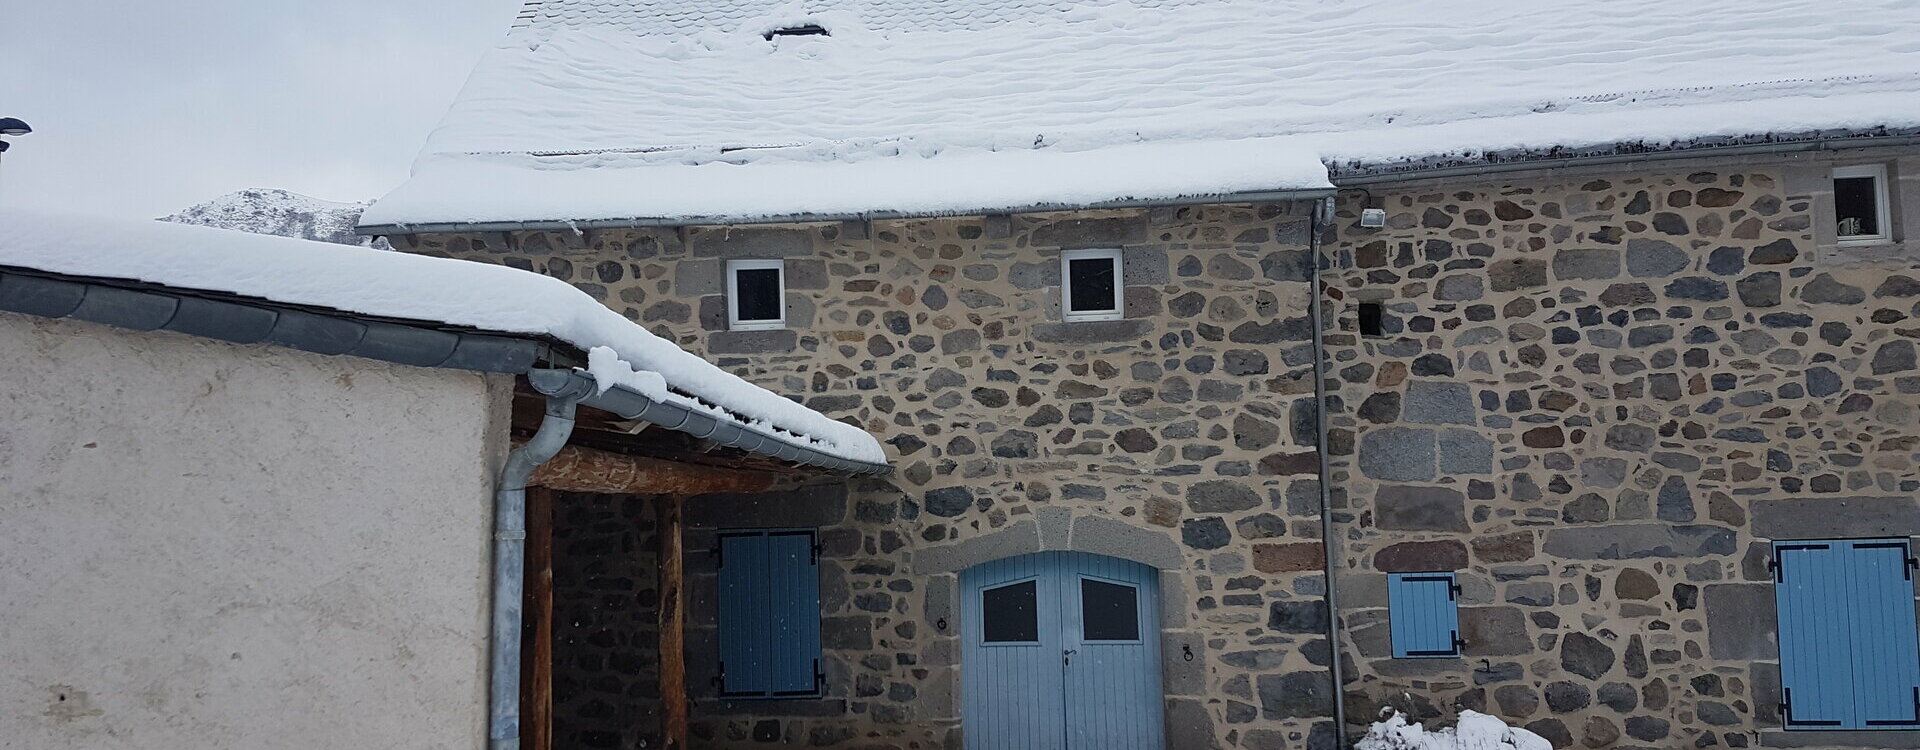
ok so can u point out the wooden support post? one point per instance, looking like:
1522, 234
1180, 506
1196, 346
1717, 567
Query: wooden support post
536, 651
673, 654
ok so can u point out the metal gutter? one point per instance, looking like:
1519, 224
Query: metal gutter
1328, 540
241, 320
509, 554
246, 321
673, 416
1363, 177
1261, 196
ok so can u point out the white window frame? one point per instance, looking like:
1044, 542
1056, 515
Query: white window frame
1883, 218
734, 267
1067, 258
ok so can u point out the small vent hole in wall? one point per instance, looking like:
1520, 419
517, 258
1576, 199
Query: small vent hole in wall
1371, 318
809, 29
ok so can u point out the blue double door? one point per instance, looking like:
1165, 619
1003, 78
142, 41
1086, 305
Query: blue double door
1061, 651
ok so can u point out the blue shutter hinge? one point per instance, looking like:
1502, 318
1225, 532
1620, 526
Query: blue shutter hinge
819, 677
719, 553
1786, 706
720, 677
1453, 590
1779, 572
1459, 644
1912, 562
815, 550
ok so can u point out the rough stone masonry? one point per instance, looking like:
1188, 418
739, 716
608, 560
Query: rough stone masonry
1597, 396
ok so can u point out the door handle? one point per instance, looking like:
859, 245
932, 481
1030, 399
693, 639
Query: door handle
1066, 657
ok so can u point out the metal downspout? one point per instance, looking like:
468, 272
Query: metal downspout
509, 550
1328, 541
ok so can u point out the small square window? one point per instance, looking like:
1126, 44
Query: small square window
1091, 284
1860, 204
1423, 616
756, 295
1373, 317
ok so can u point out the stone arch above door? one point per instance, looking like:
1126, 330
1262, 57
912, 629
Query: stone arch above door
1056, 529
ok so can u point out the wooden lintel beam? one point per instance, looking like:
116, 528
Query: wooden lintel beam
672, 613
579, 469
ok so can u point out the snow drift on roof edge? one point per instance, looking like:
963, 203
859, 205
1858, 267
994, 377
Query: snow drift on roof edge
371, 282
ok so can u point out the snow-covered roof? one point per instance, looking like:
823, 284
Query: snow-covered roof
478, 296
663, 109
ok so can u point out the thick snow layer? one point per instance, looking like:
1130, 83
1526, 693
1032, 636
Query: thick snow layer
805, 181
397, 285
641, 85
1476, 731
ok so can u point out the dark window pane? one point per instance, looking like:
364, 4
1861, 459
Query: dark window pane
759, 294
1372, 318
1091, 285
1109, 611
1857, 206
1011, 613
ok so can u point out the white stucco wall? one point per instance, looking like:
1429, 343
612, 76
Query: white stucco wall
205, 545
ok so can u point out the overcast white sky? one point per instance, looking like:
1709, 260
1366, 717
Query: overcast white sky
141, 107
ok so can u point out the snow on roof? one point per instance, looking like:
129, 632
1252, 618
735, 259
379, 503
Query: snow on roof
397, 285
672, 110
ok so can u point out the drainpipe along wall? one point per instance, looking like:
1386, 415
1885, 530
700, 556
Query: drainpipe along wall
509, 551
1329, 542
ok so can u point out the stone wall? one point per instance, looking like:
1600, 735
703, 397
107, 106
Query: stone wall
606, 637
1598, 398
1181, 436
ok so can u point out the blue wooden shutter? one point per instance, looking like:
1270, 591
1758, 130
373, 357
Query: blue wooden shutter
1816, 669
794, 613
769, 614
1423, 615
745, 667
1886, 655
1849, 658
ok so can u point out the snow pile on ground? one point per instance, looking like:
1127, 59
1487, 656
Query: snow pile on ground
700, 110
281, 213
1476, 731
398, 285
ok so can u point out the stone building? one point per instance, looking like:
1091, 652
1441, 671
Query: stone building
1587, 384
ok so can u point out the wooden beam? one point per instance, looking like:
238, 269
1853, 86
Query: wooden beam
536, 661
673, 654
580, 469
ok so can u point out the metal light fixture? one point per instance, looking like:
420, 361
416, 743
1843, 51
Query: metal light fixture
12, 126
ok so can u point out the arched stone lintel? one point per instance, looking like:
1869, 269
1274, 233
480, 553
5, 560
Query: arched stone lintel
1056, 529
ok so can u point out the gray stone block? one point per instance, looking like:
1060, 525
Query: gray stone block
801, 273
1741, 622
1180, 675
1075, 233
1438, 402
1189, 726
1056, 527
749, 242
1398, 454
1634, 541
1577, 263
1494, 631
693, 278
1017, 539
753, 342
1650, 258
1143, 265
941, 602
1105, 536
1404, 507
1836, 517
1092, 332
1465, 452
